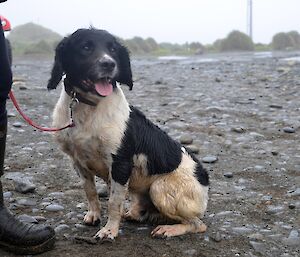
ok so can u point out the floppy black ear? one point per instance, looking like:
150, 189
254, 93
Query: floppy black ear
125, 74
57, 70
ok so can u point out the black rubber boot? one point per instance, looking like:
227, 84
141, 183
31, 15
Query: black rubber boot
16, 236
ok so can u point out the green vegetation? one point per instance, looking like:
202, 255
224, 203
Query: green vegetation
235, 41
286, 41
31, 38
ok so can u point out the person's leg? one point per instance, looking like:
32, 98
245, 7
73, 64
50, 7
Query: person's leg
16, 236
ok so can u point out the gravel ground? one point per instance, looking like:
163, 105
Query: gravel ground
239, 113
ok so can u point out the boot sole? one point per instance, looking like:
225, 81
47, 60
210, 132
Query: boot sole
34, 249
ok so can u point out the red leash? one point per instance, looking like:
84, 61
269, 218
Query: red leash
33, 124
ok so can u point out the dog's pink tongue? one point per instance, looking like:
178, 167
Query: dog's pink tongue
104, 88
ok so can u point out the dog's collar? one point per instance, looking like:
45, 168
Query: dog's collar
69, 90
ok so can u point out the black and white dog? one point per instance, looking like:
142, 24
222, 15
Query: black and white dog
115, 141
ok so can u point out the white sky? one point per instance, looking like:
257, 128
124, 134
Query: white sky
176, 21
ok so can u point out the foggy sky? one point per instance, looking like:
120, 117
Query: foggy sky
173, 21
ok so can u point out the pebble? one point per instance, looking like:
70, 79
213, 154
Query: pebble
186, 140
24, 186
28, 219
17, 124
276, 106
11, 115
223, 213
209, 159
54, 207
7, 194
217, 237
266, 198
238, 130
256, 236
258, 247
102, 190
293, 239
22, 87
259, 167
289, 130
190, 252
228, 175
241, 230
256, 135
57, 194
294, 192
26, 202
271, 209
193, 148
61, 228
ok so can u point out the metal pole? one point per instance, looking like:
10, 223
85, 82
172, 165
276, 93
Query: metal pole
250, 19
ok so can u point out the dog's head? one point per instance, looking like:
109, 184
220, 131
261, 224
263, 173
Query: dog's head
93, 61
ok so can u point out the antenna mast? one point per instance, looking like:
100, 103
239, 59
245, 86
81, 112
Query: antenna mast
249, 19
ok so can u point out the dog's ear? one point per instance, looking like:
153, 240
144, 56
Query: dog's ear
57, 70
125, 74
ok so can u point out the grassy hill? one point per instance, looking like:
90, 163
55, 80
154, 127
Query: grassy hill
31, 38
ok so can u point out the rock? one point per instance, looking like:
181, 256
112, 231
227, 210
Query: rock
241, 230
256, 236
256, 135
193, 148
275, 106
295, 192
190, 252
258, 247
209, 159
271, 209
22, 87
57, 194
26, 202
60, 228
217, 237
292, 206
228, 175
54, 207
102, 190
293, 239
7, 194
17, 124
24, 186
266, 198
28, 219
11, 114
186, 140
289, 130
223, 213
238, 130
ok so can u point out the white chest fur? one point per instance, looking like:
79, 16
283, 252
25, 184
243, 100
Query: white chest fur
98, 129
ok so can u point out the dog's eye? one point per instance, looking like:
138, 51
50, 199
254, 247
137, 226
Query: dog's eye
88, 47
112, 49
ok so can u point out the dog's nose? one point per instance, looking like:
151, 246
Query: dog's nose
107, 64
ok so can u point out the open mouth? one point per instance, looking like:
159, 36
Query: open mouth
102, 86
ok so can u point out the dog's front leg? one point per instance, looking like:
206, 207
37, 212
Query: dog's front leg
115, 210
119, 177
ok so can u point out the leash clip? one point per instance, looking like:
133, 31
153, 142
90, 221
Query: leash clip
74, 100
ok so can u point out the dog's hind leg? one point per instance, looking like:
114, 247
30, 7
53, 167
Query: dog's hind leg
93, 215
180, 197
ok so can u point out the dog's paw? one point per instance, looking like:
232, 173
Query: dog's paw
92, 218
107, 234
131, 216
164, 231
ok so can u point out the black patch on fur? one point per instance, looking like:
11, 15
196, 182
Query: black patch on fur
143, 137
201, 173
